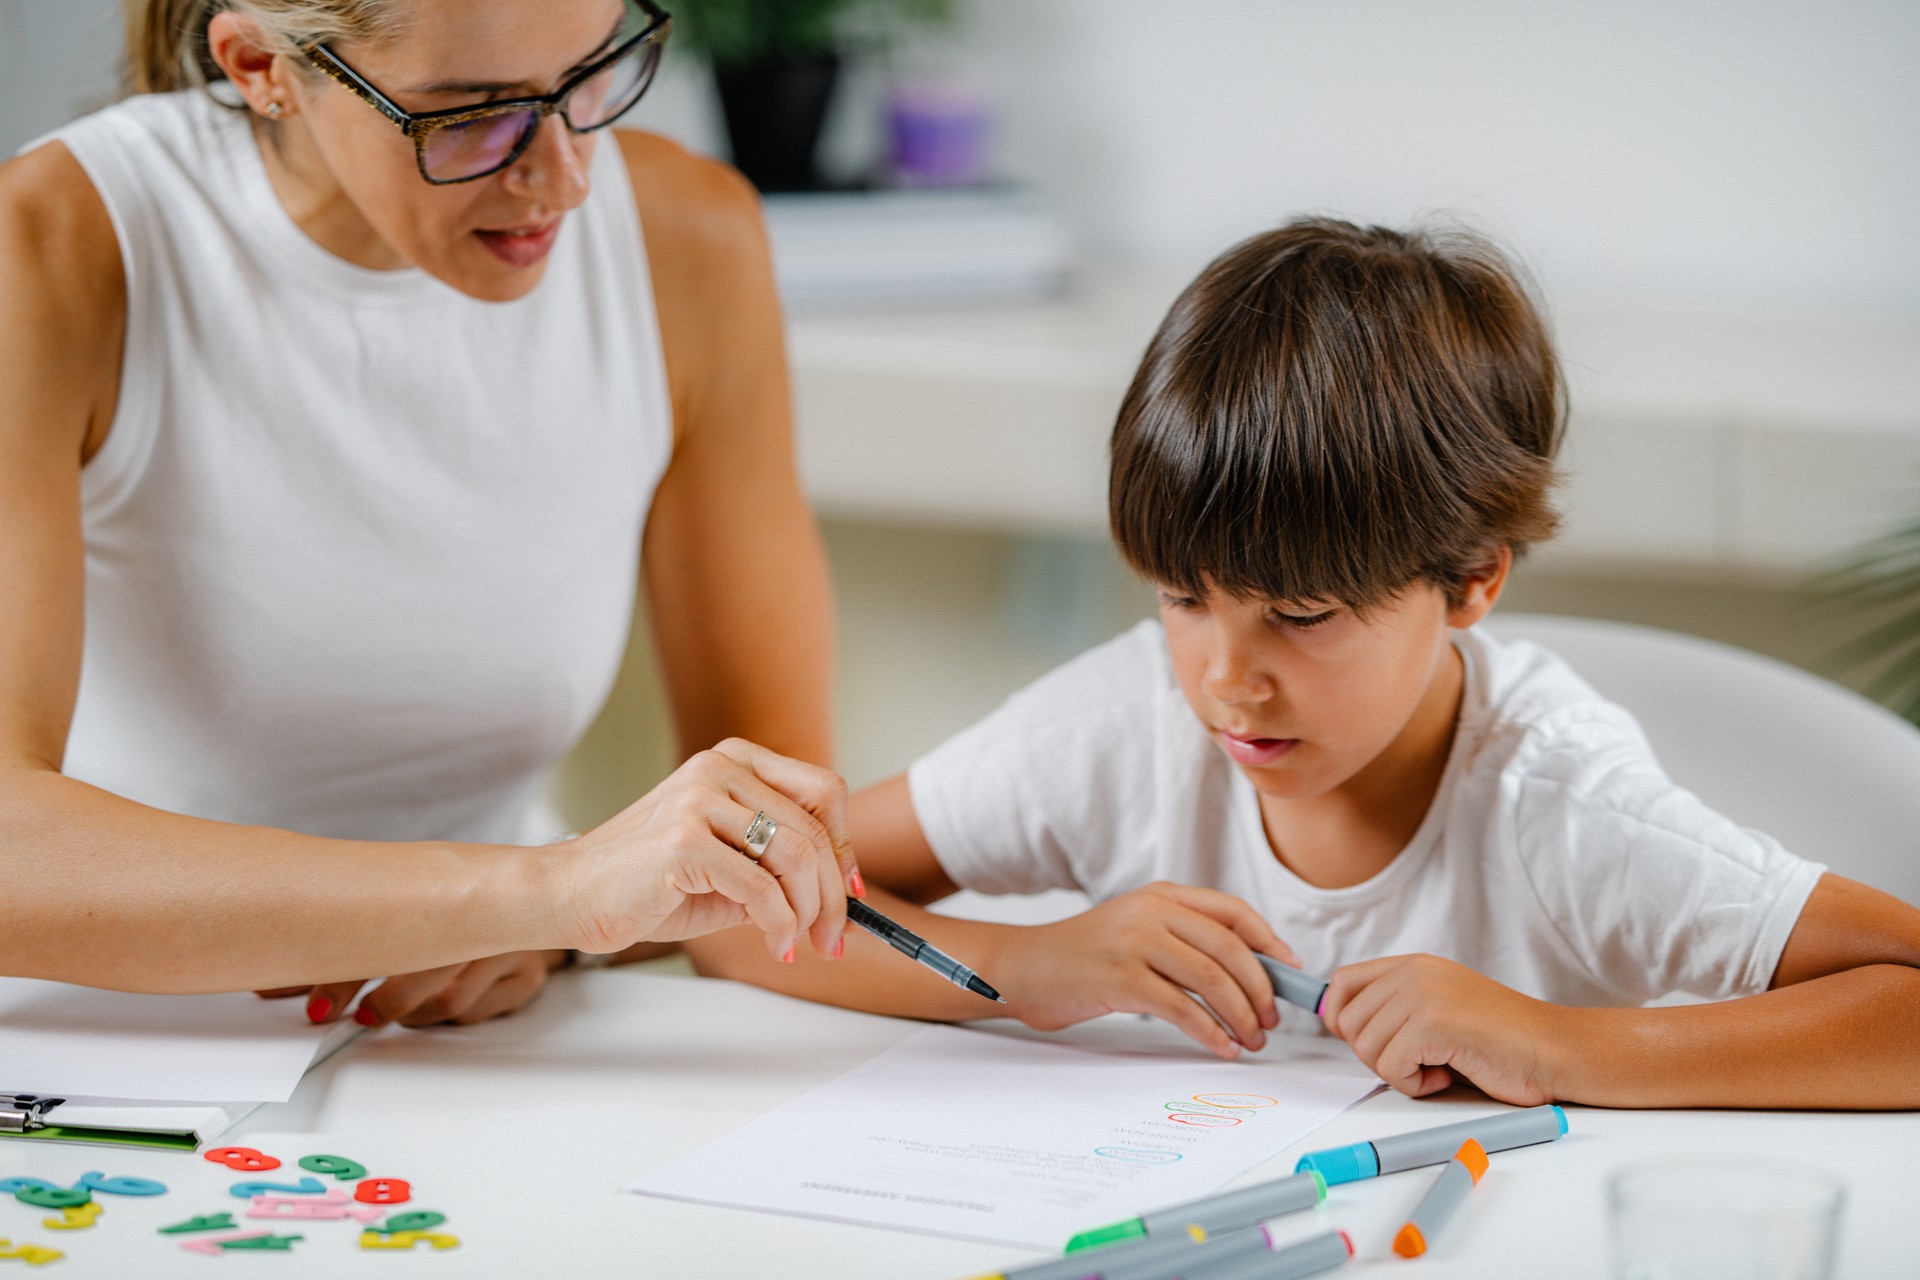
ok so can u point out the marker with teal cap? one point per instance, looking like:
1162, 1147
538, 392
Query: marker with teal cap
1247, 1207
1435, 1146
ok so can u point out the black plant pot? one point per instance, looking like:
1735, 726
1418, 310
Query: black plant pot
774, 112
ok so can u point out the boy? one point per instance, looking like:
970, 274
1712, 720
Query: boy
1334, 448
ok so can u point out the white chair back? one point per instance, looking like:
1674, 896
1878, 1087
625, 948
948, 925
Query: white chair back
1823, 770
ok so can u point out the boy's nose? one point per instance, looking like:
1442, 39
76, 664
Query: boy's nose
1232, 678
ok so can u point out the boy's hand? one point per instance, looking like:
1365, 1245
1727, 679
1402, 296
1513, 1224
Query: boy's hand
1420, 1021
1142, 952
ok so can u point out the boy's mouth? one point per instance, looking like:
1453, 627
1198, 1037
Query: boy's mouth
1255, 752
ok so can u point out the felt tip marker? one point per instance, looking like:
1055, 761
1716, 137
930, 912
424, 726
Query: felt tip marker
1307, 1258
1293, 986
1443, 1199
918, 949
1436, 1146
1247, 1207
1082, 1267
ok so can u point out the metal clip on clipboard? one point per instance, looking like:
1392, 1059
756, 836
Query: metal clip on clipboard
25, 1112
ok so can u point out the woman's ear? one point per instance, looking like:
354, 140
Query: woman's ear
240, 49
1480, 589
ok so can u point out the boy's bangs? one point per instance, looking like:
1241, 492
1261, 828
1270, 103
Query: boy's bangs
1204, 506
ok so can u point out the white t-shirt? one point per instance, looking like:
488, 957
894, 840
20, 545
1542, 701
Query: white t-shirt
1556, 858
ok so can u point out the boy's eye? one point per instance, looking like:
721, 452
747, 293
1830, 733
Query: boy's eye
1178, 602
1304, 621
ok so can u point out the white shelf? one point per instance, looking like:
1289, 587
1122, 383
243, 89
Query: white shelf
1694, 442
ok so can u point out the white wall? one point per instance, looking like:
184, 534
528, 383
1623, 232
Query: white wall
1694, 154
58, 59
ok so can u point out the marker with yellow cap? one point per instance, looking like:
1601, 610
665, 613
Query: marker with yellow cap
1086, 1267
1443, 1199
1170, 1254
1249, 1206
1296, 1261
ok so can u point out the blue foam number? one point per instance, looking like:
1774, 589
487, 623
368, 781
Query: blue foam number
11, 1185
120, 1186
307, 1187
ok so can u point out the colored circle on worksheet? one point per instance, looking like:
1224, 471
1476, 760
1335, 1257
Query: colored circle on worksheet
1137, 1155
1240, 1113
1201, 1120
1246, 1101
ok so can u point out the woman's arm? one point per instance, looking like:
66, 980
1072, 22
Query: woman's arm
736, 578
104, 891
1840, 1028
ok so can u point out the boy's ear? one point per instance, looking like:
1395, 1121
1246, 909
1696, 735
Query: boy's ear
1480, 590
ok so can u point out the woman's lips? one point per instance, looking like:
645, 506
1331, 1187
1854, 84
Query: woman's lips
1256, 752
521, 246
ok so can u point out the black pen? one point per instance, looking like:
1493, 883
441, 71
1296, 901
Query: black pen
918, 949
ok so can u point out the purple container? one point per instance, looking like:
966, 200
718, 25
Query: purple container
937, 137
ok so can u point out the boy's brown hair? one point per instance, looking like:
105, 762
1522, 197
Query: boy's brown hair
1335, 412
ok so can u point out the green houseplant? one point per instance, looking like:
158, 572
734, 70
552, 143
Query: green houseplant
776, 62
1882, 582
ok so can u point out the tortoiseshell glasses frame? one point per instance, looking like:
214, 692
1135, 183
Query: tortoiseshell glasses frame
646, 46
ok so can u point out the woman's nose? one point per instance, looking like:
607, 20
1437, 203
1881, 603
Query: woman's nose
551, 170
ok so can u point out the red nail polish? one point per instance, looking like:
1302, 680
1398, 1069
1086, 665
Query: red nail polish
859, 885
318, 1008
839, 948
787, 958
365, 1016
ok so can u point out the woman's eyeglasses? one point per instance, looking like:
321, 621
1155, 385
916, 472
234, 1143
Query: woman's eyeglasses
466, 143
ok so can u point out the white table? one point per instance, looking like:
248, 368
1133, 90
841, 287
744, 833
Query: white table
522, 1131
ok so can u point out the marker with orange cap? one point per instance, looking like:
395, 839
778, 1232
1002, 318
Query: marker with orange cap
1443, 1199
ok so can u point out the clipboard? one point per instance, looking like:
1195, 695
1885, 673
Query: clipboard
32, 1117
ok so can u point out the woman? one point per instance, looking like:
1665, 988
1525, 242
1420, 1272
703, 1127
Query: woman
338, 420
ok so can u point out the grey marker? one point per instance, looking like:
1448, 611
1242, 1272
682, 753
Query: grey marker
1448, 1192
1156, 1255
1436, 1146
1247, 1207
1308, 1258
1164, 1258
1293, 986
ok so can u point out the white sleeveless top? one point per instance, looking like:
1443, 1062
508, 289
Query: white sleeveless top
361, 551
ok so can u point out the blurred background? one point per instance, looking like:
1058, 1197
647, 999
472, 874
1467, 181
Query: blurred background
1001, 197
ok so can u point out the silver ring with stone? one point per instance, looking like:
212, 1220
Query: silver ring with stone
760, 835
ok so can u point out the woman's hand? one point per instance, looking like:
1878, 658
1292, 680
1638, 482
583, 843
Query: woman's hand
671, 865
457, 993
1419, 1021
1142, 952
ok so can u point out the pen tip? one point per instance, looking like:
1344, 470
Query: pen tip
1001, 999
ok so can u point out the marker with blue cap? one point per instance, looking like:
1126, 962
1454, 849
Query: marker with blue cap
1435, 1146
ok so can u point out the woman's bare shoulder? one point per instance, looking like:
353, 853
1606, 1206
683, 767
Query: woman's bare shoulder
692, 206
63, 310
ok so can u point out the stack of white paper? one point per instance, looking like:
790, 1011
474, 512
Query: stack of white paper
163, 1065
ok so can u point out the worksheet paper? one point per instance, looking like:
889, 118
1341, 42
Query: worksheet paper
1013, 1140
75, 1042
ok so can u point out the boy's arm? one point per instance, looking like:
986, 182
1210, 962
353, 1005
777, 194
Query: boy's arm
1138, 953
1839, 1029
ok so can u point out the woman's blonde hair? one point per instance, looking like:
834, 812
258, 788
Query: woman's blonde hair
167, 39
